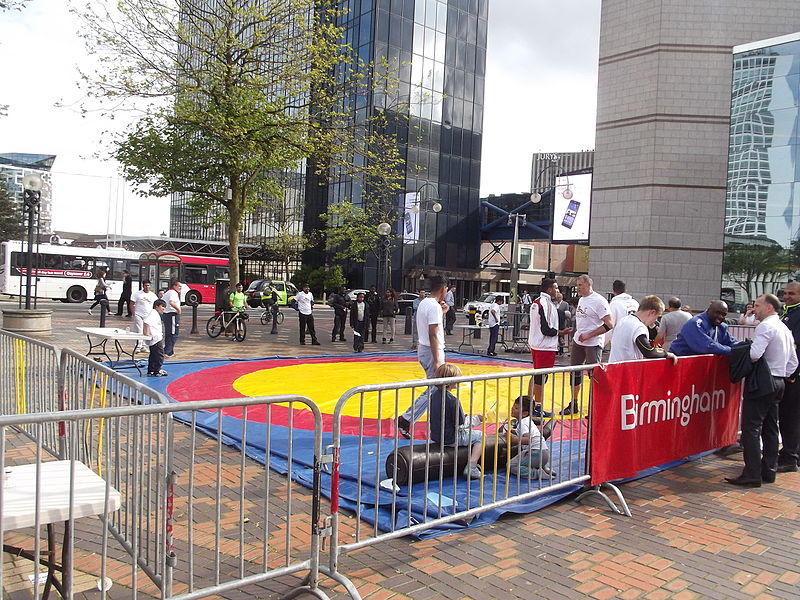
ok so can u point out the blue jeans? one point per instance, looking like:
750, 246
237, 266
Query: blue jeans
494, 330
420, 405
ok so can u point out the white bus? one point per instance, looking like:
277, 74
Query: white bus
66, 273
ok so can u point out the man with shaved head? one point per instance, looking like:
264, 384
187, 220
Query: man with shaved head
705, 333
789, 408
671, 323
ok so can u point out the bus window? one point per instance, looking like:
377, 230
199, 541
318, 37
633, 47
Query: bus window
101, 264
133, 269
223, 273
118, 266
196, 274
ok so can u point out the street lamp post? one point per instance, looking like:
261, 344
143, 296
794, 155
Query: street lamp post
384, 229
32, 194
420, 208
536, 197
515, 254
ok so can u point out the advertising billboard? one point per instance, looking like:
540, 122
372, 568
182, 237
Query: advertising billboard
571, 208
409, 224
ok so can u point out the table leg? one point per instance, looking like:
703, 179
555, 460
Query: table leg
66, 561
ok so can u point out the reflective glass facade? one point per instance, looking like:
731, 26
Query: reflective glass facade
437, 49
762, 208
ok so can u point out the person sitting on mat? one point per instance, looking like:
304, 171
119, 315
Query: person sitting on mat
525, 436
449, 426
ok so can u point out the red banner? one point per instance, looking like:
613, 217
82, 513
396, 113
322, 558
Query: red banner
647, 413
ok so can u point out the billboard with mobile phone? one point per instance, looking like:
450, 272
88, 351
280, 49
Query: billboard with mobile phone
409, 224
571, 204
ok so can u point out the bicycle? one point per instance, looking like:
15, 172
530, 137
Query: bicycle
228, 320
266, 316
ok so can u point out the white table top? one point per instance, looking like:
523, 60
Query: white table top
113, 333
19, 495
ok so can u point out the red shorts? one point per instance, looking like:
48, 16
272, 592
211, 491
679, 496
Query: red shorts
543, 359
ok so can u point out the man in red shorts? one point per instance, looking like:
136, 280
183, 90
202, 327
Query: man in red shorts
543, 338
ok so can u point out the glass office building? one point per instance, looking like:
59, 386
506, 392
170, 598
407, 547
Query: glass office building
437, 49
762, 208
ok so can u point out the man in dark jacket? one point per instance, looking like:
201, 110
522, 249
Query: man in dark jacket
339, 304
125, 298
789, 408
359, 320
373, 300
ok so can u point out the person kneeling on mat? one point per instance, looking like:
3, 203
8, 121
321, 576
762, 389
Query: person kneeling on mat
449, 426
534, 454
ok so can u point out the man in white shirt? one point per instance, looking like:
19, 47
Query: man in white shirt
631, 340
494, 325
142, 306
543, 339
172, 316
621, 305
154, 327
773, 342
592, 320
430, 347
671, 323
305, 307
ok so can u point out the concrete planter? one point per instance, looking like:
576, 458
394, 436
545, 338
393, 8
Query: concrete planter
24, 321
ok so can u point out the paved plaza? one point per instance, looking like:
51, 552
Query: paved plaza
691, 536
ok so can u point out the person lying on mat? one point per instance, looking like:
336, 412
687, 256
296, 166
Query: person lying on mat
449, 426
534, 453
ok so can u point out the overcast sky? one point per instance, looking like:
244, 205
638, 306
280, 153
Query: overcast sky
541, 80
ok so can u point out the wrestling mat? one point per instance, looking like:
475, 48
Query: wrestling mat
368, 433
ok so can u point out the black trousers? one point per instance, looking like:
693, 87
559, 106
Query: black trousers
172, 323
789, 424
373, 328
100, 299
760, 422
307, 323
450, 320
358, 340
156, 359
338, 325
124, 301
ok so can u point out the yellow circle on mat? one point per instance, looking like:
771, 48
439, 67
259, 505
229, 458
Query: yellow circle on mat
325, 383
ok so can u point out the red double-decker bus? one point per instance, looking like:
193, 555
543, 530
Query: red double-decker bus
198, 274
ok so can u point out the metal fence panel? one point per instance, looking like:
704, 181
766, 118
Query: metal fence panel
196, 516
424, 499
29, 382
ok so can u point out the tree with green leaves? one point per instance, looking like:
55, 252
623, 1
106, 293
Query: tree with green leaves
233, 94
748, 264
11, 227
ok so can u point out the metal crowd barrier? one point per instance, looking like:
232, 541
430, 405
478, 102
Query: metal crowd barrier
29, 382
195, 516
491, 395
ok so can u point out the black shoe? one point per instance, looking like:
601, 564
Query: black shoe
303, 343
333, 339
570, 409
315, 343
403, 426
384, 341
538, 412
787, 468
768, 476
341, 339
729, 450
743, 481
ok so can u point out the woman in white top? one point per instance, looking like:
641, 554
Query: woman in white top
749, 316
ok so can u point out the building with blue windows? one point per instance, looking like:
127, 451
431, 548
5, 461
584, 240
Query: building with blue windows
762, 203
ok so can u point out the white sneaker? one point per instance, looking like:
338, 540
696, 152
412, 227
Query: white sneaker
473, 472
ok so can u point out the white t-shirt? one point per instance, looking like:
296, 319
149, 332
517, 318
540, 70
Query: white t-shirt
535, 440
171, 296
620, 306
304, 302
494, 314
623, 346
429, 312
589, 316
143, 302
153, 321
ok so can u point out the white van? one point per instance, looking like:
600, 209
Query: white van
482, 304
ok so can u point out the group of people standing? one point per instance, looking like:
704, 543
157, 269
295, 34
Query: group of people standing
158, 318
364, 313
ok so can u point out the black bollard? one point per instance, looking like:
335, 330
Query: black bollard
274, 310
103, 310
409, 320
194, 319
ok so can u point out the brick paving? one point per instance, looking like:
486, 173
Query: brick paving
691, 536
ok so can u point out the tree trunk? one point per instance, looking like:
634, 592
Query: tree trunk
234, 223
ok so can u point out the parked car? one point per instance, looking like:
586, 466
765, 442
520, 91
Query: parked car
286, 290
483, 303
405, 300
351, 295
